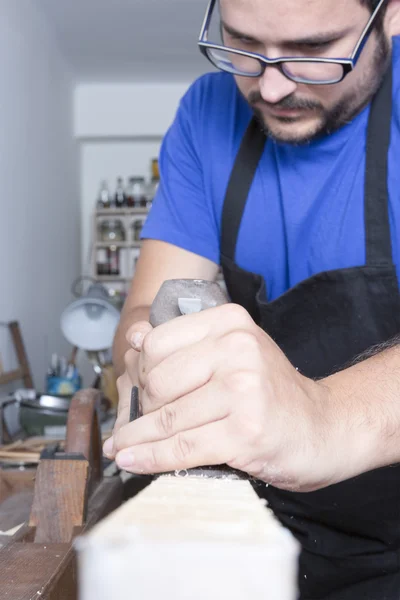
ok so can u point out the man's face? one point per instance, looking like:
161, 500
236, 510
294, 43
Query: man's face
292, 112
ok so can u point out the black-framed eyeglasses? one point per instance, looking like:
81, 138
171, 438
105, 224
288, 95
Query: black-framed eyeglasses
311, 71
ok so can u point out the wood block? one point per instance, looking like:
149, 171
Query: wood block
197, 538
60, 499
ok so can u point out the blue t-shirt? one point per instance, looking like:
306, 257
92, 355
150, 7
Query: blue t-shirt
305, 211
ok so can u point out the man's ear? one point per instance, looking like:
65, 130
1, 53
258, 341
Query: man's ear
392, 18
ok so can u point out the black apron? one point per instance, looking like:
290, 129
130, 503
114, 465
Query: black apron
349, 532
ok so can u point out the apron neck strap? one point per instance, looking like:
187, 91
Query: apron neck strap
377, 225
240, 182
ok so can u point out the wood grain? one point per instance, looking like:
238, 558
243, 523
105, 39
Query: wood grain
26, 570
60, 500
83, 432
33, 571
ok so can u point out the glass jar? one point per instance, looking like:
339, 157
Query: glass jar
112, 231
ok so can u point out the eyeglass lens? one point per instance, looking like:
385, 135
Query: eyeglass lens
299, 71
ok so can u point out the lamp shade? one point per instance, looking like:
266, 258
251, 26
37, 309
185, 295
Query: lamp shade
91, 321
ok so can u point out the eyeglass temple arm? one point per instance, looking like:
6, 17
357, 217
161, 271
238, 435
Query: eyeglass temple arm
366, 33
206, 23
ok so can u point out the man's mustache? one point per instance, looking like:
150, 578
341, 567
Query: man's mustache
290, 102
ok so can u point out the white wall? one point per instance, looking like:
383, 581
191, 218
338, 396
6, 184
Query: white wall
125, 110
39, 184
120, 128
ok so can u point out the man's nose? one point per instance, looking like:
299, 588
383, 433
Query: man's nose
274, 86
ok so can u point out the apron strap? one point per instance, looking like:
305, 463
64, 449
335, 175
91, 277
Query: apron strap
377, 224
240, 182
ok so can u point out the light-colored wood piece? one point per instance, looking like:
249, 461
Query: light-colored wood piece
197, 538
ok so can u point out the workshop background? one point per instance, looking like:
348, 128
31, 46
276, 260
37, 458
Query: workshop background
88, 89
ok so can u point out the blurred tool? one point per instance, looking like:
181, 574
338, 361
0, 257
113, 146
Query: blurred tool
63, 378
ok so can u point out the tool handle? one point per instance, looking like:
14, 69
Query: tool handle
184, 296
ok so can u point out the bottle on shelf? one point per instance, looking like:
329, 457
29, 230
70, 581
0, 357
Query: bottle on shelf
155, 171
104, 199
102, 266
136, 193
113, 260
120, 196
153, 183
129, 193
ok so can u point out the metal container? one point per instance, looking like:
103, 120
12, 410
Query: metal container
44, 411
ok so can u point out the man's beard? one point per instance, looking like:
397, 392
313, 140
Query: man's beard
334, 118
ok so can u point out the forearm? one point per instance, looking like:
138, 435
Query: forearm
365, 400
129, 317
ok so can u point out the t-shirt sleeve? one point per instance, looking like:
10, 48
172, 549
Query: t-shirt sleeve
182, 214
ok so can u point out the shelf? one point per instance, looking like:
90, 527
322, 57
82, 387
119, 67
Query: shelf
111, 278
121, 212
128, 249
118, 244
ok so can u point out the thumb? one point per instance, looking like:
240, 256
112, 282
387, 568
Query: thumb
136, 334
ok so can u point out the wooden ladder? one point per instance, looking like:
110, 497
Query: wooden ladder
23, 373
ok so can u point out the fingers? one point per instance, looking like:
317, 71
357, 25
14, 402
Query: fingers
124, 386
136, 334
191, 329
177, 375
192, 367
206, 445
192, 411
